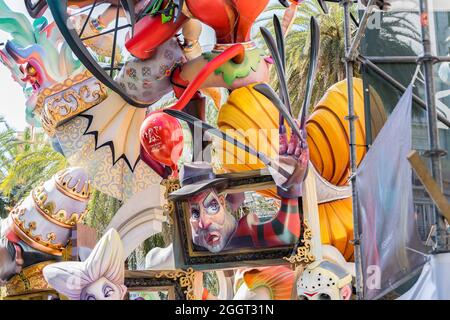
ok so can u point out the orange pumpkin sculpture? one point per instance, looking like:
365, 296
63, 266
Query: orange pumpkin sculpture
328, 140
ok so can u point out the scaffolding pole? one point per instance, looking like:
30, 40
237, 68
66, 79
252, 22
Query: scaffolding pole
402, 59
369, 63
350, 53
427, 60
434, 153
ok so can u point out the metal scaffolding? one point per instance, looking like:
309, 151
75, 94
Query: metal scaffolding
350, 48
434, 153
427, 60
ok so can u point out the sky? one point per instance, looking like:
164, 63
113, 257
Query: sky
12, 100
12, 105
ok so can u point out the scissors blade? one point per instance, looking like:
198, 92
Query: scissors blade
268, 92
270, 42
313, 59
222, 135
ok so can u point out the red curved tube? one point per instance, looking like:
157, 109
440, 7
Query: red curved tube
149, 33
210, 67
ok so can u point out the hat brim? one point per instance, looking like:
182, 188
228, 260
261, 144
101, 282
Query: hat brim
194, 188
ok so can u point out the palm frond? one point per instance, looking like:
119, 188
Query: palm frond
396, 29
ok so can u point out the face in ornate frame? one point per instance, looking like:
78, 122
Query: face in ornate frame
177, 284
188, 253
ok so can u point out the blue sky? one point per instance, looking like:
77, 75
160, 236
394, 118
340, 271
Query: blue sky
11, 95
12, 105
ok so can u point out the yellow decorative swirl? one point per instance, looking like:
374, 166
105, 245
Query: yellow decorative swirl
25, 232
184, 278
29, 280
64, 101
304, 254
169, 207
47, 208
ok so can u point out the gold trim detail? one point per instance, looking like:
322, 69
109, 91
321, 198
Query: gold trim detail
35, 241
218, 47
169, 207
29, 280
63, 183
47, 209
304, 255
63, 101
67, 252
184, 278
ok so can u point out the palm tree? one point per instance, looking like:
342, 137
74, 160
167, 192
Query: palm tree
396, 31
331, 68
7, 145
102, 209
26, 160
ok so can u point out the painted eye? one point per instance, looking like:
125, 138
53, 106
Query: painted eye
213, 207
31, 70
302, 297
195, 213
108, 292
91, 298
324, 296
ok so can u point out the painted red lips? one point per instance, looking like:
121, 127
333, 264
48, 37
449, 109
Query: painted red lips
212, 238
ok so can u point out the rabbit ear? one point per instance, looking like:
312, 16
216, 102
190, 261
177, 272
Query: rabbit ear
282, 52
278, 66
313, 58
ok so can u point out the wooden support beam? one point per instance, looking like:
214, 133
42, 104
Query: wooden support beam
83, 236
430, 185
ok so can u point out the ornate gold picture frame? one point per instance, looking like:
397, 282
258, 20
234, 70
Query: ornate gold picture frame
178, 284
188, 255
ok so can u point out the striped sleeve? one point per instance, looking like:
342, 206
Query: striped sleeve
284, 228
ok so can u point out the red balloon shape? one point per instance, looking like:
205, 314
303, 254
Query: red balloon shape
162, 138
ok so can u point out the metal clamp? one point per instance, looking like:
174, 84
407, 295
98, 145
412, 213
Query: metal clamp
355, 242
342, 2
427, 58
351, 118
435, 153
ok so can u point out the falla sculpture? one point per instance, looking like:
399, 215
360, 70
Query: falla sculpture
100, 100
99, 277
38, 230
64, 99
324, 280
